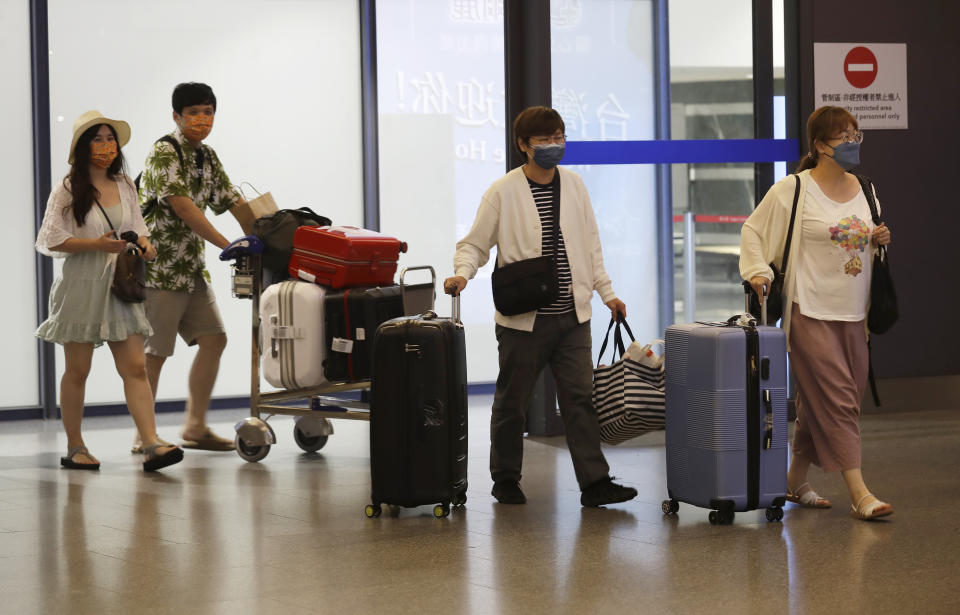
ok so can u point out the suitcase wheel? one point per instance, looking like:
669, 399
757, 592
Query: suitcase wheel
670, 507
441, 510
460, 499
372, 511
774, 513
721, 517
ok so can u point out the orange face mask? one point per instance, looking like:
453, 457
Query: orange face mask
103, 154
197, 127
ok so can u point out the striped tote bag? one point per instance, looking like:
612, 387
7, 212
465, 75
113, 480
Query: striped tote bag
628, 394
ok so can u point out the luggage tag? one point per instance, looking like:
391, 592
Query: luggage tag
342, 345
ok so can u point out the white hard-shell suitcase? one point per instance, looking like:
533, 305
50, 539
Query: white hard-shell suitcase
292, 334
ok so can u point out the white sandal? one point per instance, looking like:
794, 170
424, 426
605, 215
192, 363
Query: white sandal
873, 510
807, 499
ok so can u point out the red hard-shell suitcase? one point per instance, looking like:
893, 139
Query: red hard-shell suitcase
342, 256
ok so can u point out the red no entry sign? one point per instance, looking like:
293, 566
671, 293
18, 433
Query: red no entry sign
860, 67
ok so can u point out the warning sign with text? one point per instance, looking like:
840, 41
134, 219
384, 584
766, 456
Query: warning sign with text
868, 79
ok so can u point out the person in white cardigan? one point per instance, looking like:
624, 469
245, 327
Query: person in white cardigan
95, 198
516, 214
825, 300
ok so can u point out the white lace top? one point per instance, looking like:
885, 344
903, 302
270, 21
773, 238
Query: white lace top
60, 225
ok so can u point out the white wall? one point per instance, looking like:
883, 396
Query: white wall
287, 78
18, 361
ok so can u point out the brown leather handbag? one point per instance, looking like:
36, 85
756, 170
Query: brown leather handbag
130, 274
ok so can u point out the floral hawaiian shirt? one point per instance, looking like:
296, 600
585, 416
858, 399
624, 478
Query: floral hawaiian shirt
180, 251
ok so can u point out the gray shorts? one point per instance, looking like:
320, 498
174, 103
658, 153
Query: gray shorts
192, 315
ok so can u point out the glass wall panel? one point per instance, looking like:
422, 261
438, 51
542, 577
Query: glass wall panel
287, 78
441, 123
711, 75
18, 367
603, 86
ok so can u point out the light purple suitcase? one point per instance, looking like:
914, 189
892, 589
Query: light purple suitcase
726, 423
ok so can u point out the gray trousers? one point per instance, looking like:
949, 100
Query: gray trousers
564, 345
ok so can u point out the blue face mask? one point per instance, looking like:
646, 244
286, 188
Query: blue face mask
548, 156
847, 155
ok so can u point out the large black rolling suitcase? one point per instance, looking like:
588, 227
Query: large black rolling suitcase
418, 414
351, 317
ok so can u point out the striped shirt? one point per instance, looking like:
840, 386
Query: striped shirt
543, 197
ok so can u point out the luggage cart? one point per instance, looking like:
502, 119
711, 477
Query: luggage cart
314, 407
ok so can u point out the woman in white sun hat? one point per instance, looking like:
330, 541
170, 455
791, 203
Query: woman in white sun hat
86, 214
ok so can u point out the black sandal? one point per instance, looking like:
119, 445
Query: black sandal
155, 461
68, 462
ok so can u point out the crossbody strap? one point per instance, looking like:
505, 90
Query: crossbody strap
556, 217
793, 218
106, 217
867, 186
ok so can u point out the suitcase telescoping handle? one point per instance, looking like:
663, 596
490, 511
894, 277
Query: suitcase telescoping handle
454, 303
455, 307
747, 289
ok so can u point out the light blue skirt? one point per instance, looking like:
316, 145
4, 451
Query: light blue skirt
82, 308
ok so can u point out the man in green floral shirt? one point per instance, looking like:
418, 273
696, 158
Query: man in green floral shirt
176, 188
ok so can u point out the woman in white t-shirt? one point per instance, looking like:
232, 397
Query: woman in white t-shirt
85, 216
826, 295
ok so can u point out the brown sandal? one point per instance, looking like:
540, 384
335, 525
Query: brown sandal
209, 442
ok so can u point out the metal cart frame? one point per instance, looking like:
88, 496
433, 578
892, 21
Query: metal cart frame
312, 427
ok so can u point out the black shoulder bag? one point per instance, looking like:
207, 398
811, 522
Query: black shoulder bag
276, 231
883, 311
775, 305
130, 275
527, 285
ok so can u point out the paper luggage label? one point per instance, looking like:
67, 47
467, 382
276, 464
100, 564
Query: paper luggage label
342, 345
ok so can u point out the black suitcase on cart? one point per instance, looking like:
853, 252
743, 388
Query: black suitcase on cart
418, 414
351, 317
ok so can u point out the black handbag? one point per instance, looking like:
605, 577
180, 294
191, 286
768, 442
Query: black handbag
130, 273
883, 311
276, 231
775, 292
530, 284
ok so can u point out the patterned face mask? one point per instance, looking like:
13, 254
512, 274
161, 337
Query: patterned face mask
103, 154
197, 127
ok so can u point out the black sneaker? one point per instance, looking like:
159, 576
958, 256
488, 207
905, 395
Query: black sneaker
606, 492
508, 492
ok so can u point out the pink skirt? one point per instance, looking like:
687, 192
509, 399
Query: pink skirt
829, 360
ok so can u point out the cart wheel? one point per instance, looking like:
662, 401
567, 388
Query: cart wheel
372, 511
460, 499
250, 453
714, 518
774, 513
307, 443
670, 507
441, 510
726, 518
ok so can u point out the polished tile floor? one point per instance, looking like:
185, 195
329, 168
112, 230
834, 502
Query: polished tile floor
288, 535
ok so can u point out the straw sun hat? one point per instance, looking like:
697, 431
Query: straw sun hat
92, 118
